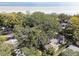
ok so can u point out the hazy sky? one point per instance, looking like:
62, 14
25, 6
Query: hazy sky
47, 7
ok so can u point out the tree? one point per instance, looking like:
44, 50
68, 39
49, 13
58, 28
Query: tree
45, 22
63, 17
75, 24
30, 37
14, 19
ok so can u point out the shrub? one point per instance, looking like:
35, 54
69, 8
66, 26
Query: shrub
69, 52
5, 49
31, 51
3, 38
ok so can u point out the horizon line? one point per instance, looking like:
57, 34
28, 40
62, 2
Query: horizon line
39, 4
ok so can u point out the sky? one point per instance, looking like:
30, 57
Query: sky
69, 8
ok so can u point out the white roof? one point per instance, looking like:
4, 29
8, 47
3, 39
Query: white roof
75, 48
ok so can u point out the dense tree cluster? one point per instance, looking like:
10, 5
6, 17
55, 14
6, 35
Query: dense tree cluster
34, 31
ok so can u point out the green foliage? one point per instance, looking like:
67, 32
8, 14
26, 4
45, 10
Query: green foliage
69, 52
31, 52
54, 51
30, 36
33, 31
50, 51
45, 22
37, 29
75, 24
64, 17
5, 49
3, 38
